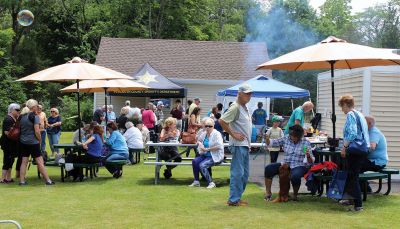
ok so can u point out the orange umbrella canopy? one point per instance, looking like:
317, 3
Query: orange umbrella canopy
332, 53
76, 69
118, 85
345, 56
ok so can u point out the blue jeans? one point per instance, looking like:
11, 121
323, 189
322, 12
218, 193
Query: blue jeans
43, 143
239, 172
114, 156
202, 164
53, 139
295, 173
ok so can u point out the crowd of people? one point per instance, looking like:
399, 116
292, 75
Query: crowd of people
134, 127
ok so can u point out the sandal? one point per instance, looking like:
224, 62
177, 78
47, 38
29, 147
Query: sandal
3, 181
268, 198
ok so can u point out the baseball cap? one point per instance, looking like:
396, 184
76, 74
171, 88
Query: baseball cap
197, 98
245, 88
160, 103
275, 119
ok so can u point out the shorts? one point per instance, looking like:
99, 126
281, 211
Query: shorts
30, 150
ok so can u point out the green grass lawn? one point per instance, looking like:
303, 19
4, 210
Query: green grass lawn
133, 201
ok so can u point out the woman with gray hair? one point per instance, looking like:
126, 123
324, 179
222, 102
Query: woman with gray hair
133, 138
8, 145
30, 139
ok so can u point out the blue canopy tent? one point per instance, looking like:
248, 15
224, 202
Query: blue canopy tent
264, 87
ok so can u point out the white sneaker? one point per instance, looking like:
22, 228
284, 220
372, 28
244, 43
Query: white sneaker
195, 183
211, 185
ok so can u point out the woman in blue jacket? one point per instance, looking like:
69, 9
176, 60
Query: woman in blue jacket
118, 149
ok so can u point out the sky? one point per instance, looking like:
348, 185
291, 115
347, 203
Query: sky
357, 5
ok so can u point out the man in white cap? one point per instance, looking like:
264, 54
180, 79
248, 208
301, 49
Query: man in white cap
236, 121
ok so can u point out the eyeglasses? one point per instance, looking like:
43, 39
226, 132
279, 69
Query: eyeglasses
208, 126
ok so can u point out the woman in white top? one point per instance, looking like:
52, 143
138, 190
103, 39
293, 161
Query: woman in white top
133, 138
211, 149
274, 132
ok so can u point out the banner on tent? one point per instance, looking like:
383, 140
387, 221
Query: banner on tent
166, 93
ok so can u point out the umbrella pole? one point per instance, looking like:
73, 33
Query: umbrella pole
105, 104
332, 62
79, 112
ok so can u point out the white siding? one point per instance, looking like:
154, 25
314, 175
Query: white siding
350, 84
119, 101
385, 107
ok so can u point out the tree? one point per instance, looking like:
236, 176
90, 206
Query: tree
335, 18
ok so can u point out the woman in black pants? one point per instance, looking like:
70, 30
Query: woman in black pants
8, 145
355, 129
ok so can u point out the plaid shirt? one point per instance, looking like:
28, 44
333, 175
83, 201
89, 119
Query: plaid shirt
294, 154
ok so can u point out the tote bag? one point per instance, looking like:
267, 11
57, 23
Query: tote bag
358, 146
337, 185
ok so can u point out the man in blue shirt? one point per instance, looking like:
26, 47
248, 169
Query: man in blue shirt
297, 117
259, 117
377, 156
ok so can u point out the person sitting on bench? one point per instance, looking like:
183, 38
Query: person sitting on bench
168, 153
377, 157
299, 161
118, 149
211, 149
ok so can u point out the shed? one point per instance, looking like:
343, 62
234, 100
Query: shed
376, 91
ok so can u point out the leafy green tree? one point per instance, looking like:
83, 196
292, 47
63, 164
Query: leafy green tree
335, 18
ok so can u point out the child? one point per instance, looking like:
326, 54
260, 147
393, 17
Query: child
273, 133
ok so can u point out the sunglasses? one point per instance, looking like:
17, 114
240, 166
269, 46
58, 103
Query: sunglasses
52, 111
207, 126
17, 110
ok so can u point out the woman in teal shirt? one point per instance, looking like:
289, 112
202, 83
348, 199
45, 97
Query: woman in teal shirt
118, 149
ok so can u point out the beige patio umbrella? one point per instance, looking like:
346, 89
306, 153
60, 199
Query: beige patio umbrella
75, 70
332, 53
118, 85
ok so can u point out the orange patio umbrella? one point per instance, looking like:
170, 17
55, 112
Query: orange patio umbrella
332, 53
118, 85
75, 70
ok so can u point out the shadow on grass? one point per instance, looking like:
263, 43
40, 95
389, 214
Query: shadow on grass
220, 182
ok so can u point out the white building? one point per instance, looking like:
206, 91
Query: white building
376, 91
202, 67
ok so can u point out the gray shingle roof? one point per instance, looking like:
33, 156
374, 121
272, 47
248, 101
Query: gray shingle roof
184, 59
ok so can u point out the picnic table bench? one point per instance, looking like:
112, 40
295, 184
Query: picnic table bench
364, 177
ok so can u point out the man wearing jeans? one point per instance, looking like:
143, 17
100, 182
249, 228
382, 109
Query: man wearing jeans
236, 121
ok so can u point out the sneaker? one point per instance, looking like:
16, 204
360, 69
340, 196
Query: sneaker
211, 185
167, 174
345, 202
23, 183
268, 198
355, 209
49, 183
195, 183
239, 203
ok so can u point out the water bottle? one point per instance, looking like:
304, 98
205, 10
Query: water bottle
305, 149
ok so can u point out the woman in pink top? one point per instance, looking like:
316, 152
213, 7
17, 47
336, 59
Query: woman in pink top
148, 117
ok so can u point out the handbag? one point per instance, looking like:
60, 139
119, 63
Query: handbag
15, 131
358, 146
337, 185
189, 138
